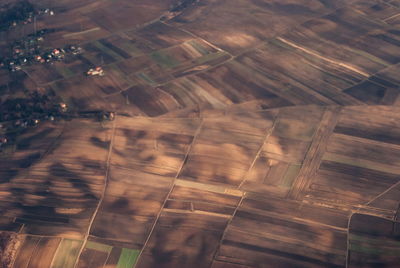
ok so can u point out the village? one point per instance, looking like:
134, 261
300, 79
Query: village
37, 106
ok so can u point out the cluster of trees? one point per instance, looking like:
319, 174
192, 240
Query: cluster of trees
182, 4
8, 247
33, 105
20, 11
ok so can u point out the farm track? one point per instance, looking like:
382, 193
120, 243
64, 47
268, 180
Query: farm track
106, 178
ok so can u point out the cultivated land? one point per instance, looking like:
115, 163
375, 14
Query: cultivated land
248, 133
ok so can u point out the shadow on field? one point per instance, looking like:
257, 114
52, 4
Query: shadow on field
48, 193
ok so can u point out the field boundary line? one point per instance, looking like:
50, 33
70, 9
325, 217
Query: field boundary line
358, 210
198, 37
315, 152
311, 52
348, 241
170, 191
348, 137
55, 252
82, 32
211, 187
198, 212
227, 226
391, 17
106, 178
383, 193
30, 257
195, 73
267, 135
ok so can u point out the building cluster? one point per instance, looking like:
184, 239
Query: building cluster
25, 112
97, 71
29, 50
21, 13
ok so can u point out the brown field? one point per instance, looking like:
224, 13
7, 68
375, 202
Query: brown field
374, 245
248, 133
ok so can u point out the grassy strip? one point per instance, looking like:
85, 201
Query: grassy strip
128, 258
98, 246
199, 47
146, 78
165, 60
290, 175
67, 253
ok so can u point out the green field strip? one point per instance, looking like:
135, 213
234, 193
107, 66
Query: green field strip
290, 175
98, 246
357, 162
370, 57
198, 47
371, 250
128, 258
67, 254
165, 60
146, 78
210, 57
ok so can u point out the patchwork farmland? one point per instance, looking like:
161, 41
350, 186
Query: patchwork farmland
247, 133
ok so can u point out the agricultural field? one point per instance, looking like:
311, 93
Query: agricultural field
245, 133
376, 244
